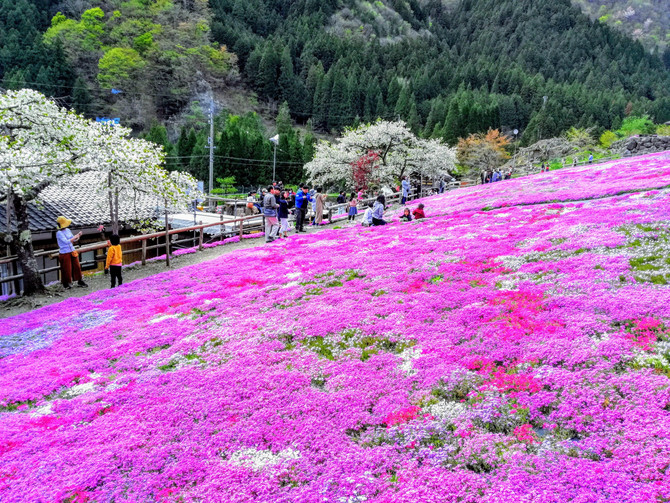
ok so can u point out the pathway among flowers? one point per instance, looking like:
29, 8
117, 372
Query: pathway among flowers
515, 346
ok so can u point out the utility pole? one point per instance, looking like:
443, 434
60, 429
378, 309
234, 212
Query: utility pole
275, 140
211, 148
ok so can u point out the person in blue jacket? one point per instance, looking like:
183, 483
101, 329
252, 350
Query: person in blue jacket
302, 200
405, 189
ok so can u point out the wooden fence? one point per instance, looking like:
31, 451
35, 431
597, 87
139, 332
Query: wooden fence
144, 247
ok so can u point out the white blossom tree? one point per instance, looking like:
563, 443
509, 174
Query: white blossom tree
42, 144
397, 150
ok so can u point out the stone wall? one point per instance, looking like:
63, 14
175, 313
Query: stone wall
644, 144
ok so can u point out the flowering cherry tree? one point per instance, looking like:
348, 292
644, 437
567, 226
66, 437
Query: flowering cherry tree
42, 144
399, 153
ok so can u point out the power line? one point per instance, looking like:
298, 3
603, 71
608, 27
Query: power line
249, 161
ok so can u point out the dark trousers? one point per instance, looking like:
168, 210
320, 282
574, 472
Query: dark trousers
115, 272
300, 218
404, 200
70, 270
378, 221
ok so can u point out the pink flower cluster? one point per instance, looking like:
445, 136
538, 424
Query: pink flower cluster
507, 348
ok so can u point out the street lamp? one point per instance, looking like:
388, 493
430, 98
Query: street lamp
516, 132
275, 140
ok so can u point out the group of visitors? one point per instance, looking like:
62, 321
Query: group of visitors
68, 256
495, 175
418, 214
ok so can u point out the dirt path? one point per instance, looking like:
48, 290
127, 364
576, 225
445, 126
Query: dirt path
100, 281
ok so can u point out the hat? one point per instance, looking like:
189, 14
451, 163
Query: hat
63, 222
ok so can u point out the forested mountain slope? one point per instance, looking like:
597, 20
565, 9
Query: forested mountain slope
645, 20
448, 68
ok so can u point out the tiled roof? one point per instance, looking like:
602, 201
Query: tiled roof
79, 200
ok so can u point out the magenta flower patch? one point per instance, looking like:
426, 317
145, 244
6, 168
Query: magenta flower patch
513, 346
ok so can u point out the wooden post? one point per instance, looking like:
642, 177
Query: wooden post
167, 238
144, 252
201, 237
241, 228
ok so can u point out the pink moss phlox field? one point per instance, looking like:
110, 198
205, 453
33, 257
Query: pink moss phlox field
516, 354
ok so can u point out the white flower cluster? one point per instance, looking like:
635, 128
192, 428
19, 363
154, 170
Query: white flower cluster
446, 411
42, 143
259, 459
400, 153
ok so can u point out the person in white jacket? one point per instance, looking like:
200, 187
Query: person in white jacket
367, 216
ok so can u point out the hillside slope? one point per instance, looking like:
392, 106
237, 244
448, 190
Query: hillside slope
447, 69
644, 20
505, 347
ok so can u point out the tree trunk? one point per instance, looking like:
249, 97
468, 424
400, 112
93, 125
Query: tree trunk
22, 247
113, 205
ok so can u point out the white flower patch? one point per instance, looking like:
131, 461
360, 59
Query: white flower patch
512, 261
294, 275
507, 284
527, 243
163, 317
408, 356
77, 390
259, 459
447, 411
43, 410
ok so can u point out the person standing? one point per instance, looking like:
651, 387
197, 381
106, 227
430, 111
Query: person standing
378, 211
590, 158
353, 207
441, 185
282, 213
405, 189
341, 199
251, 200
312, 194
302, 199
482, 175
320, 204
270, 212
115, 260
67, 256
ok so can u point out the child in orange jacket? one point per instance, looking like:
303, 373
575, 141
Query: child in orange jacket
115, 260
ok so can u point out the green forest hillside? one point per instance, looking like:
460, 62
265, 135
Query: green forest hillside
449, 68
644, 20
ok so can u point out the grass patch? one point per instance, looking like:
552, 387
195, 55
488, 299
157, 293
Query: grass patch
331, 347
